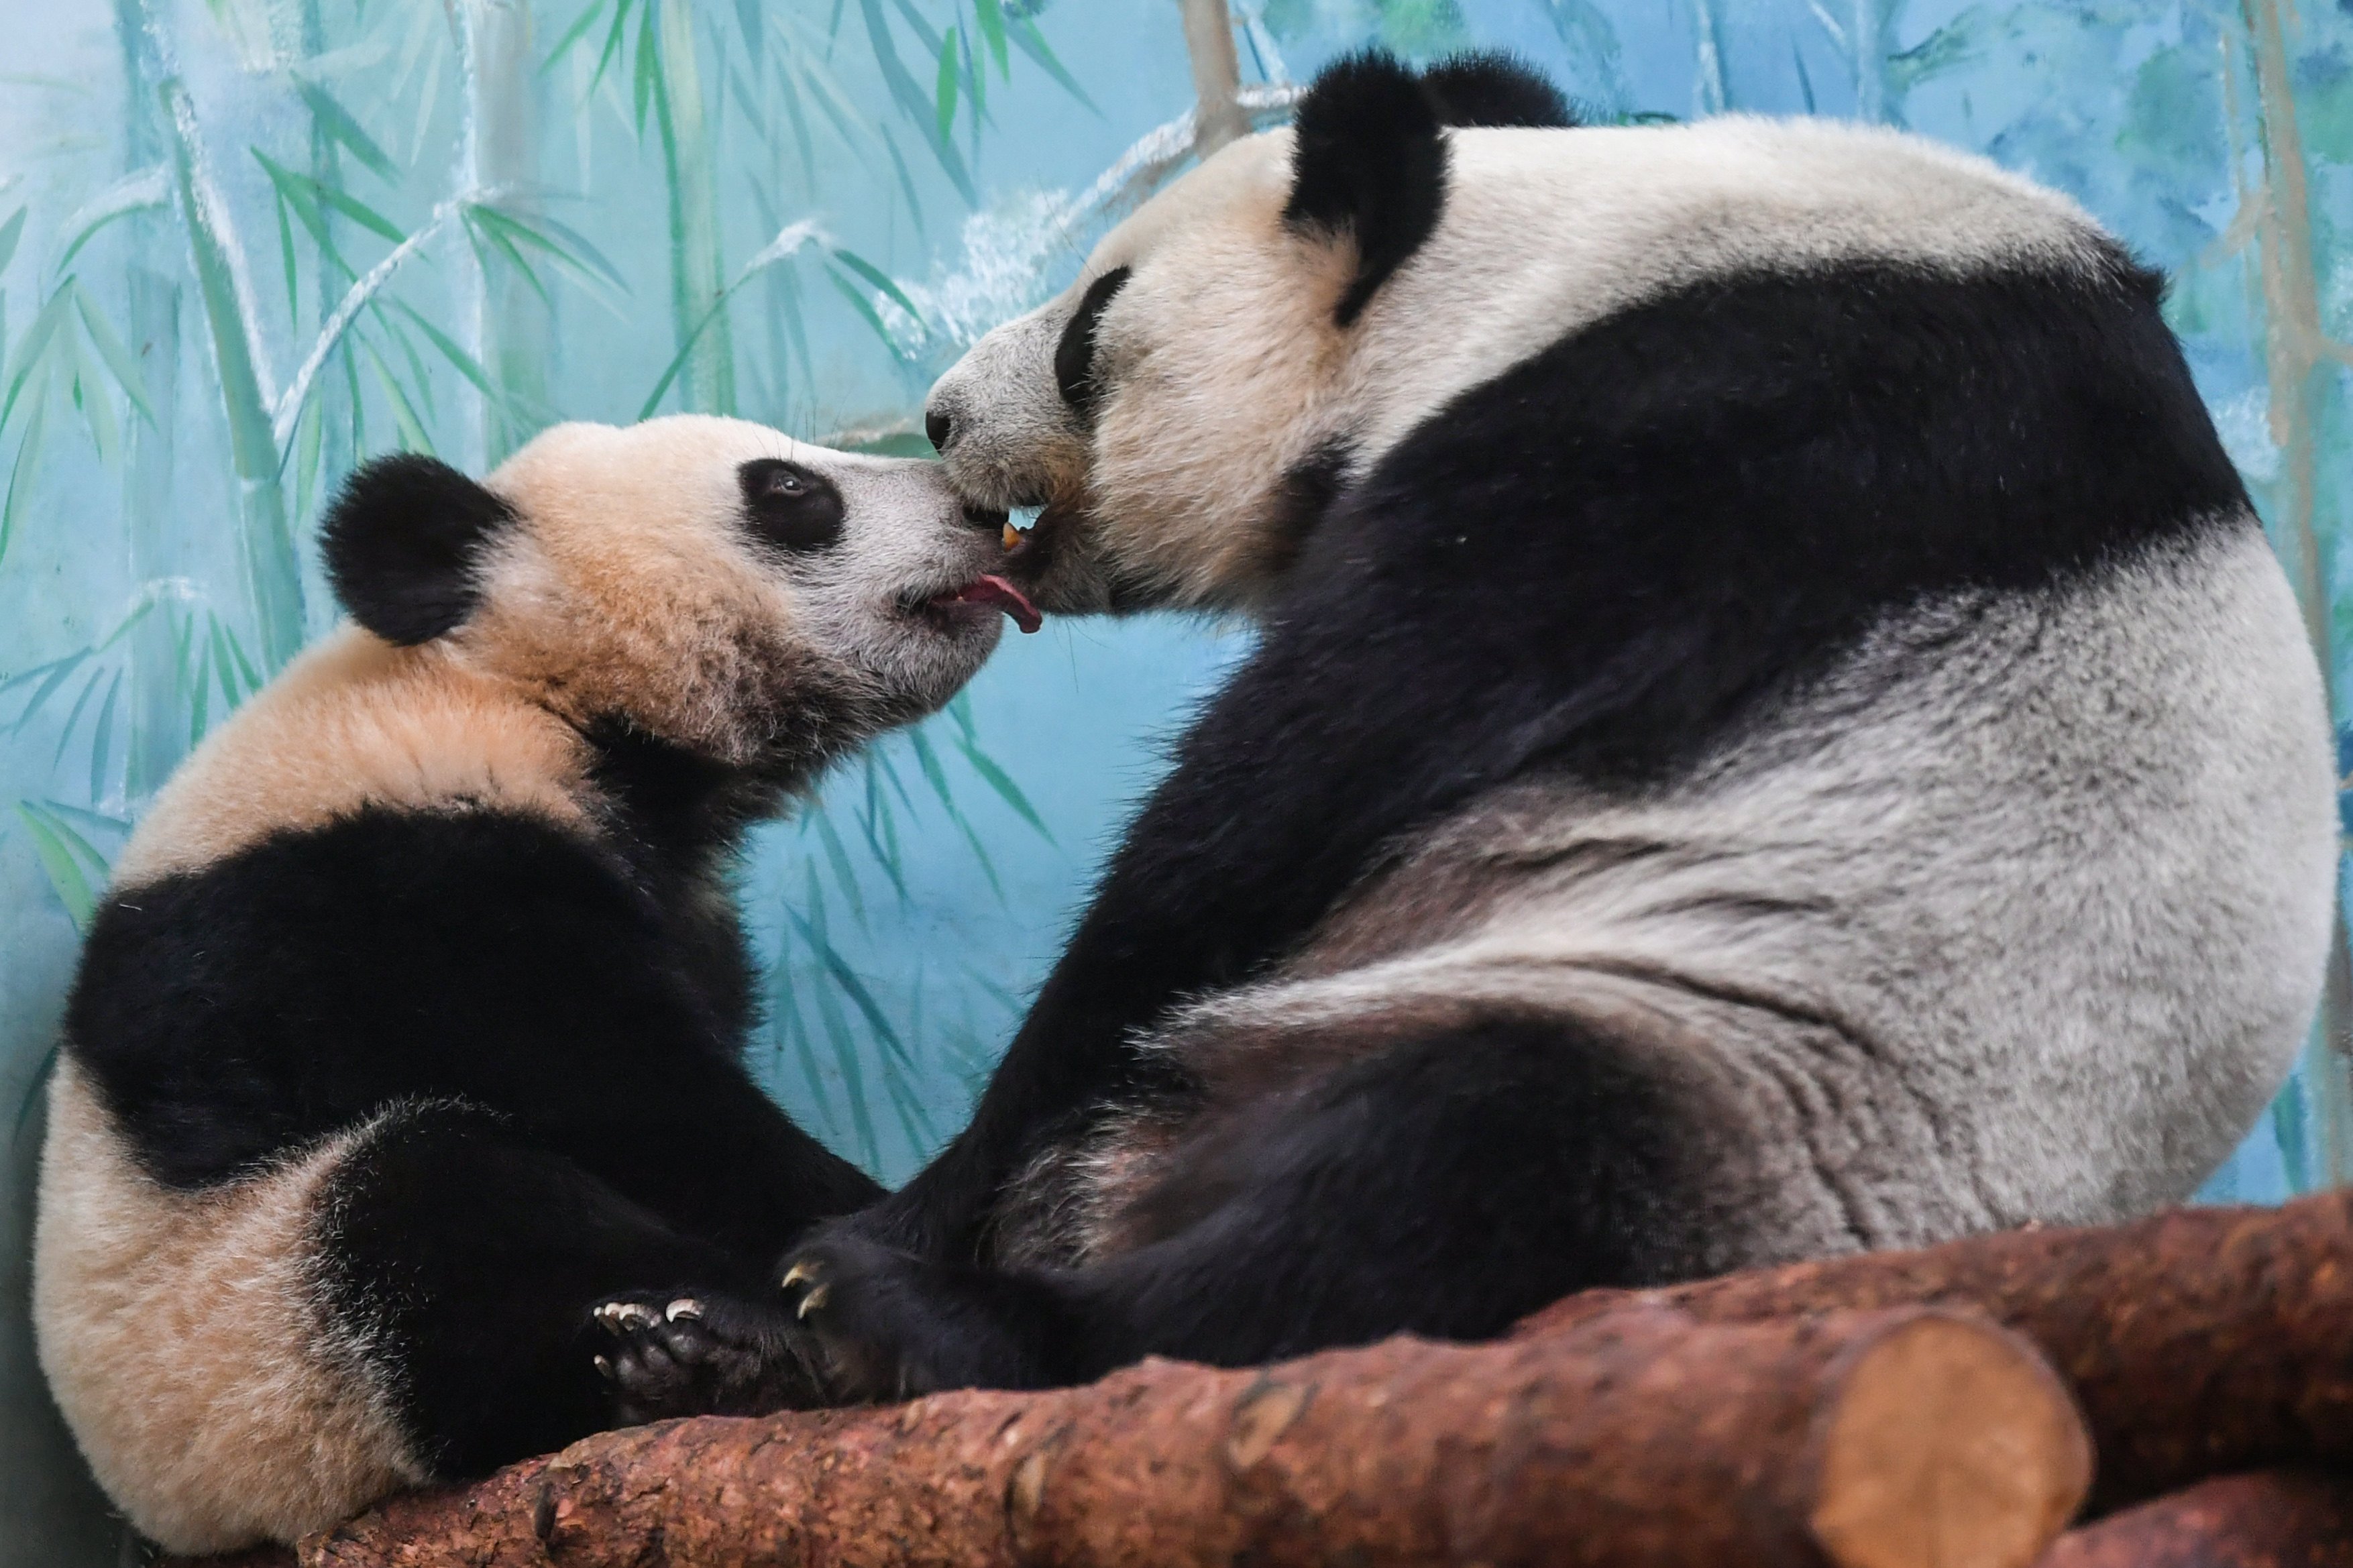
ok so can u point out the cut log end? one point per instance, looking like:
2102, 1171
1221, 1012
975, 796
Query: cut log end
2144, 1318
1948, 1441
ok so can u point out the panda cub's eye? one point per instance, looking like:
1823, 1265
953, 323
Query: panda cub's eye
788, 507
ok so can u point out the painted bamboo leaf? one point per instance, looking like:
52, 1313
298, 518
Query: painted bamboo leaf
75, 870
1001, 782
144, 190
990, 15
118, 358
878, 278
572, 35
31, 353
913, 102
23, 472
90, 687
943, 91
337, 123
1031, 42
273, 577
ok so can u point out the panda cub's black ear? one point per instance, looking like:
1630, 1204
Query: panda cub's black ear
403, 542
1369, 161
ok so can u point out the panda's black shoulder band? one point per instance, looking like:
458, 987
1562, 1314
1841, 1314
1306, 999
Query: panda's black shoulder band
403, 543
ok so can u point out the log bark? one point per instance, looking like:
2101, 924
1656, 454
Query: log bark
2199, 1342
1641, 1439
2270, 1519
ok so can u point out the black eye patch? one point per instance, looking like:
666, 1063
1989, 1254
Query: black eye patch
788, 506
1074, 356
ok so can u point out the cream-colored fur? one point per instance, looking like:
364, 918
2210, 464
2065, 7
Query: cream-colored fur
1224, 367
630, 589
184, 1332
353, 723
187, 1340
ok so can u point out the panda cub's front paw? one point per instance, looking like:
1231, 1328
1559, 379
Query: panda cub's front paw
701, 1352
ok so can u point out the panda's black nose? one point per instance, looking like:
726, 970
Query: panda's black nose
940, 428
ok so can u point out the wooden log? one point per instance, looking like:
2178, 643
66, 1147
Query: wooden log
2270, 1519
2199, 1342
1639, 1440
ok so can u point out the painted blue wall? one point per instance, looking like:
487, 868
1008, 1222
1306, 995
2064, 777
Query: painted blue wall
584, 197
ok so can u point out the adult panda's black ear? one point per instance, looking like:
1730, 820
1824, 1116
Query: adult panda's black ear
1491, 88
1368, 162
403, 542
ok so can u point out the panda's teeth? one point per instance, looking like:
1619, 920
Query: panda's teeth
1012, 537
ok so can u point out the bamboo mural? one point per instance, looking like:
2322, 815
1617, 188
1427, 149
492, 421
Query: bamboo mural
245, 243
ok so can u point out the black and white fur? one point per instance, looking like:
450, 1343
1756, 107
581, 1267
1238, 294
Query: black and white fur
1776, 732
409, 1031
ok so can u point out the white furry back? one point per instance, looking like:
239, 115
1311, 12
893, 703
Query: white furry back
2020, 915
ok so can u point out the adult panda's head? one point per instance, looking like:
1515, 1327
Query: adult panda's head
1263, 335
1184, 410
709, 583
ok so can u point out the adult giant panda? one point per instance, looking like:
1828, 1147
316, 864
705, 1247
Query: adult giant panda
409, 1031
1775, 731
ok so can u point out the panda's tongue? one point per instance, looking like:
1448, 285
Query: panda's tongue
995, 590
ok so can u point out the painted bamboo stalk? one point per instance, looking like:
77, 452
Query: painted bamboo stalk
1217, 116
1870, 26
336, 436
698, 270
2301, 365
158, 719
273, 577
513, 324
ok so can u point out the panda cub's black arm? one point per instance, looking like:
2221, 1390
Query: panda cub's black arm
254, 1005
524, 1103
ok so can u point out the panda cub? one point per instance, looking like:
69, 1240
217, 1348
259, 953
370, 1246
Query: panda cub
410, 1029
1776, 730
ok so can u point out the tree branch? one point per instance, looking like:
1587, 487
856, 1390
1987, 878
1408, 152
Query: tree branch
2270, 1519
1639, 1439
2199, 1342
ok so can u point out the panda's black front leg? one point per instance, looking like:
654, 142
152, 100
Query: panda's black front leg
890, 1325
1446, 1187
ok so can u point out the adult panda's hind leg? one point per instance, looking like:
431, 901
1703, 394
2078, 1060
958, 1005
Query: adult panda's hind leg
1447, 1186
475, 1261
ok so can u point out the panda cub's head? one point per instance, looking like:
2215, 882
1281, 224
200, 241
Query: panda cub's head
709, 583
1184, 410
